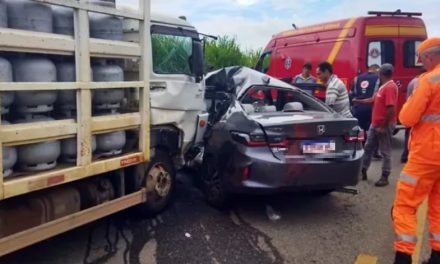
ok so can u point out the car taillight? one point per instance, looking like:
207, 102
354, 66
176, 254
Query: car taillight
360, 137
278, 142
259, 140
245, 173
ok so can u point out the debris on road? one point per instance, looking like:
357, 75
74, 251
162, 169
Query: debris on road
272, 214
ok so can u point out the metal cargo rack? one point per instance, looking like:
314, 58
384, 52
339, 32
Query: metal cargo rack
82, 47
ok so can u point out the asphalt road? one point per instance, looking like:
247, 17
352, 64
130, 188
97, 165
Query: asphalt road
331, 229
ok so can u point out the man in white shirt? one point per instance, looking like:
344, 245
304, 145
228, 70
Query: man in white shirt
336, 94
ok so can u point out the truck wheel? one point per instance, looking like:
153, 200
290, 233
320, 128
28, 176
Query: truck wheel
159, 180
212, 184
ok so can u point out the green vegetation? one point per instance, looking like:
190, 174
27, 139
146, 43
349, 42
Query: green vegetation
227, 52
172, 54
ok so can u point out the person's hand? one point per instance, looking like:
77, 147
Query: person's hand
355, 101
380, 130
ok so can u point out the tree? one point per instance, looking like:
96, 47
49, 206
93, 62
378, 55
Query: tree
226, 52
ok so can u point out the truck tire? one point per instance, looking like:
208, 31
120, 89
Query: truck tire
159, 180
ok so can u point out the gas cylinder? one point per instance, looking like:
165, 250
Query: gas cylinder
105, 26
6, 98
29, 15
69, 149
38, 156
111, 144
3, 14
63, 20
34, 69
67, 98
9, 157
107, 99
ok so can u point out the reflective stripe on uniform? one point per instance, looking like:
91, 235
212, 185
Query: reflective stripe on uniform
406, 238
435, 78
408, 178
431, 118
434, 236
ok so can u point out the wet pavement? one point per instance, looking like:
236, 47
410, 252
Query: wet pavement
335, 228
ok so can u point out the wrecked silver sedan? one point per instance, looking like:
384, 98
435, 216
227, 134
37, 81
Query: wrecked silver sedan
267, 136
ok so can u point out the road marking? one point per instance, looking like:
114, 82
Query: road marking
366, 259
421, 225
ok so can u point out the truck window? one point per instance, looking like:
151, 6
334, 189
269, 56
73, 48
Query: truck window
264, 62
380, 52
171, 54
410, 58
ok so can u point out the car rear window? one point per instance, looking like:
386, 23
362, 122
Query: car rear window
272, 99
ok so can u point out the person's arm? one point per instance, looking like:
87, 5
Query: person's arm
416, 104
331, 94
366, 101
389, 114
410, 88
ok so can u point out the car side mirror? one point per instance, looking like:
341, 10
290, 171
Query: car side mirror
197, 60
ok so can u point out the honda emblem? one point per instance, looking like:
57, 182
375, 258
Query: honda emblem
321, 130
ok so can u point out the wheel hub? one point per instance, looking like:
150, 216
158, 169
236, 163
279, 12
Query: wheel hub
159, 181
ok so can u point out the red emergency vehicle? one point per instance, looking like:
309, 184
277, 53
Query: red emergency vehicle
351, 45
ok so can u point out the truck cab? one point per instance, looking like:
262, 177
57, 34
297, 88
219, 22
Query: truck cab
177, 85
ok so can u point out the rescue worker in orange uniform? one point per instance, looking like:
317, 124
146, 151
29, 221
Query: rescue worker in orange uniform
420, 178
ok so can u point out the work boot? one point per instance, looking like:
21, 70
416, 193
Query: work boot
382, 182
364, 174
434, 259
402, 258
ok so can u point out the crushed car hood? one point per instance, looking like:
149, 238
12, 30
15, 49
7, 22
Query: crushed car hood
237, 79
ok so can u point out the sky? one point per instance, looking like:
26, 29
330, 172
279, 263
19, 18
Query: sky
253, 22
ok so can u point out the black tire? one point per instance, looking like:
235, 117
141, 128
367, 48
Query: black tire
323, 192
212, 184
159, 179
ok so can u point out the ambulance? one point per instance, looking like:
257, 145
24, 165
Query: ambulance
351, 45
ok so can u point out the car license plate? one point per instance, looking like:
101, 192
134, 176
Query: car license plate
318, 147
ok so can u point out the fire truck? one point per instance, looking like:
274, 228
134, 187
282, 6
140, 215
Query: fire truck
99, 108
351, 45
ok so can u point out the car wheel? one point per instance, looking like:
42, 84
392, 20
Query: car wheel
159, 180
212, 184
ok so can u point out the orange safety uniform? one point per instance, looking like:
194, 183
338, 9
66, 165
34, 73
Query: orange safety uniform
420, 178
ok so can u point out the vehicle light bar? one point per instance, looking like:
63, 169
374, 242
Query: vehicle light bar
395, 13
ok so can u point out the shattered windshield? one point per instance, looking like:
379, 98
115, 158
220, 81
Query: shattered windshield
273, 99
